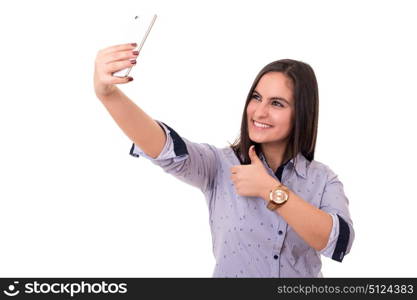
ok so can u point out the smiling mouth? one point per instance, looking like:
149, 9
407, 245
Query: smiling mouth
260, 125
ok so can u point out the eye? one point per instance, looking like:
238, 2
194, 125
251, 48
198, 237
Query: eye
255, 96
274, 102
279, 103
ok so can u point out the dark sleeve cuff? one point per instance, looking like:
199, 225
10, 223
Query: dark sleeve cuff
342, 240
180, 147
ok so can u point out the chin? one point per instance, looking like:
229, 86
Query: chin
263, 140
258, 140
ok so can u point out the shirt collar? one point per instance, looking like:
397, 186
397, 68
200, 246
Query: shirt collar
300, 166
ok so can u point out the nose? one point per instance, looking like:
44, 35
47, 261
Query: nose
261, 111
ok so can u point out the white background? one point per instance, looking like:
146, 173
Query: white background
73, 202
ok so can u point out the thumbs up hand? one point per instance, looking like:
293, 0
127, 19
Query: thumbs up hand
251, 180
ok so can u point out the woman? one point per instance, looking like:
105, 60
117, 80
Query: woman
273, 209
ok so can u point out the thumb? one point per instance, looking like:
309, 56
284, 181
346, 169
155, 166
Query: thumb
252, 155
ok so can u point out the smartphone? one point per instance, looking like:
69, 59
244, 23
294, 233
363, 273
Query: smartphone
142, 25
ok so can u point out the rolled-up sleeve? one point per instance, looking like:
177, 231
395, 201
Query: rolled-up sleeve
190, 162
335, 202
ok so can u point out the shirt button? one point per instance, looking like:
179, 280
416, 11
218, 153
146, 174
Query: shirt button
276, 256
280, 232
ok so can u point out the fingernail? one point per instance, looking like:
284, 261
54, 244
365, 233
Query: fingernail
134, 44
130, 78
135, 52
133, 62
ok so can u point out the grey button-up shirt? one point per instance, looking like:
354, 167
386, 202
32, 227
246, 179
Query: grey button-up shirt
248, 239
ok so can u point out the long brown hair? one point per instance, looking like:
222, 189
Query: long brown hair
306, 104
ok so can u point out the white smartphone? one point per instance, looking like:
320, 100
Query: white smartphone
142, 25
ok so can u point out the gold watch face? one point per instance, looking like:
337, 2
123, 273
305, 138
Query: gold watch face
279, 196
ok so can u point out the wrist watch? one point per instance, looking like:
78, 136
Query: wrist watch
278, 196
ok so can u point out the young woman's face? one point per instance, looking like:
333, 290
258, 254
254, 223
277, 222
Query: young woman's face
272, 106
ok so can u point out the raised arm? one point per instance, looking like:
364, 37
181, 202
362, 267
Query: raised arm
193, 163
134, 122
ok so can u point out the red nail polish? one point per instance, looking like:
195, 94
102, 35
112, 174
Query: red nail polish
130, 78
134, 44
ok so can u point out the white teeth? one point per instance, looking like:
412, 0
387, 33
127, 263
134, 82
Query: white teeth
261, 125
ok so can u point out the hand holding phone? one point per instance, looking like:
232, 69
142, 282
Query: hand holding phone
142, 26
109, 60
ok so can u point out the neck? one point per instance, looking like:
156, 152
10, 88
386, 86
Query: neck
274, 154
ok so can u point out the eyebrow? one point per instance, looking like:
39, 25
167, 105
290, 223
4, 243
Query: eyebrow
273, 98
